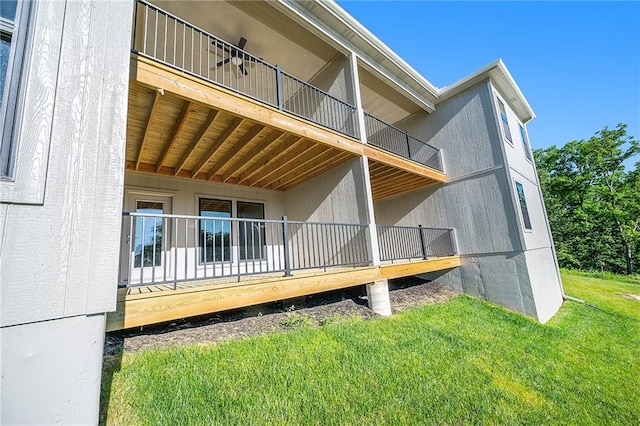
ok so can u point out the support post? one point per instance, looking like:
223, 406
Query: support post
285, 245
378, 297
422, 245
372, 229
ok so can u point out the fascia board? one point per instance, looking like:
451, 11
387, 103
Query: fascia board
502, 79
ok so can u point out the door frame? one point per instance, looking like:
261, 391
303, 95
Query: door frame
129, 274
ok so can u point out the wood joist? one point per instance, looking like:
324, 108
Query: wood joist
180, 125
172, 136
388, 181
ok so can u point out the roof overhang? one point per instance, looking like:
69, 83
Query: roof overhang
502, 80
334, 23
343, 30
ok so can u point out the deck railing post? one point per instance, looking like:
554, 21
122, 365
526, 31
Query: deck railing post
285, 244
454, 246
406, 135
135, 27
422, 245
279, 88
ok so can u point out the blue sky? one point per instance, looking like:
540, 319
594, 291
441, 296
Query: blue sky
577, 63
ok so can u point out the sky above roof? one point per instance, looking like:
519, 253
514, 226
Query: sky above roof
577, 63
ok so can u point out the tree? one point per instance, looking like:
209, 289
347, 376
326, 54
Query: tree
592, 202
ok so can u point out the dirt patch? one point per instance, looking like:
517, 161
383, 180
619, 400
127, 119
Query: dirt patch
632, 296
312, 310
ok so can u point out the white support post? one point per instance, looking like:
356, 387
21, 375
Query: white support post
378, 297
364, 162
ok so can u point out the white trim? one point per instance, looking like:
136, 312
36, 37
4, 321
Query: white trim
35, 102
502, 80
348, 34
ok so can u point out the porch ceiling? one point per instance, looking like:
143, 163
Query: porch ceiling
180, 125
388, 181
171, 135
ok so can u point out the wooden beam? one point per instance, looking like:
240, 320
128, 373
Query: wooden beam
147, 127
208, 123
241, 163
419, 267
395, 181
314, 154
387, 174
237, 122
312, 158
174, 135
149, 308
244, 141
393, 192
378, 154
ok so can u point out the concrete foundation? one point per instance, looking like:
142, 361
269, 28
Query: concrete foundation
51, 371
378, 297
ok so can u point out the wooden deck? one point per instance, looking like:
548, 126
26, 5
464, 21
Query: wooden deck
181, 125
141, 306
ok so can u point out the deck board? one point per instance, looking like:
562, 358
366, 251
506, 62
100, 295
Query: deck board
160, 303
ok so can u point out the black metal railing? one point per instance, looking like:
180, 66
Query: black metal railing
172, 41
163, 248
414, 242
390, 138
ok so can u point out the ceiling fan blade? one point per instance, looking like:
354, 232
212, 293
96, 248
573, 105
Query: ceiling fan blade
244, 71
222, 46
223, 62
241, 43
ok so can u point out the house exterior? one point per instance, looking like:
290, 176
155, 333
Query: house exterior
166, 159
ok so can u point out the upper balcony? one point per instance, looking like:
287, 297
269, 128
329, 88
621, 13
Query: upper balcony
204, 108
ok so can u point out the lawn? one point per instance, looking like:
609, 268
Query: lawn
460, 361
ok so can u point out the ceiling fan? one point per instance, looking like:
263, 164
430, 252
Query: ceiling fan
236, 55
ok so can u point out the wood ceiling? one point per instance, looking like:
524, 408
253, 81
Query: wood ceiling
173, 135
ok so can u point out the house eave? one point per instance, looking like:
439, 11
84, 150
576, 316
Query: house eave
334, 22
501, 78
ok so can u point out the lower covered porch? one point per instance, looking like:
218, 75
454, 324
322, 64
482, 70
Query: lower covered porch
230, 256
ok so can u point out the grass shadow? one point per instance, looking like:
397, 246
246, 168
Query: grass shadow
111, 364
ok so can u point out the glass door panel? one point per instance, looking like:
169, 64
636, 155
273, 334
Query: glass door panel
215, 233
251, 235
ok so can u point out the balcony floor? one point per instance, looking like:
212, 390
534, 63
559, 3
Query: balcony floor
183, 126
145, 305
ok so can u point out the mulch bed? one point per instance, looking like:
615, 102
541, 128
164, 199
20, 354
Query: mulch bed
311, 310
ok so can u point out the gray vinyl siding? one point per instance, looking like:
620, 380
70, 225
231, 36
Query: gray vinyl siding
334, 196
477, 201
464, 129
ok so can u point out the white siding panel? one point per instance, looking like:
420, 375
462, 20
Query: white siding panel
51, 371
545, 285
60, 258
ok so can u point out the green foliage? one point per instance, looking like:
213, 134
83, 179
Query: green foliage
295, 320
459, 362
593, 203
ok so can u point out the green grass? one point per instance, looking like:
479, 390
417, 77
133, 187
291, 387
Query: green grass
461, 361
